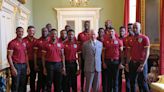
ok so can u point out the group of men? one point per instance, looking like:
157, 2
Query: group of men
58, 61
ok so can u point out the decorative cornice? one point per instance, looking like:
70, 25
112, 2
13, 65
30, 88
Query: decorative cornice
85, 9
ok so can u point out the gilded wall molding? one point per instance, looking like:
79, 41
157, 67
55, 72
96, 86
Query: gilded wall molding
22, 1
1, 4
143, 21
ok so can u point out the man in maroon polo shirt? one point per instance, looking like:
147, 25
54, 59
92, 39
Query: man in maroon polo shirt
67, 27
122, 32
72, 65
30, 41
18, 61
49, 27
53, 63
63, 36
83, 37
126, 42
53, 32
101, 34
108, 26
101, 37
39, 45
139, 53
112, 48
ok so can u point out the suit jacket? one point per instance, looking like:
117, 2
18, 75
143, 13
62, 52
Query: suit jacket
92, 56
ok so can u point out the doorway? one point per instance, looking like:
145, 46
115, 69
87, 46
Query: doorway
75, 17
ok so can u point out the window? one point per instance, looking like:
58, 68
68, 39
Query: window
132, 10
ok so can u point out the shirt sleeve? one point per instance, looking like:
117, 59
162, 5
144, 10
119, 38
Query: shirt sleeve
120, 43
10, 46
78, 38
146, 42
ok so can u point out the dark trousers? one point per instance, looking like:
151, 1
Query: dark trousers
70, 80
54, 75
120, 80
104, 80
141, 77
82, 73
112, 75
32, 76
19, 81
127, 78
41, 77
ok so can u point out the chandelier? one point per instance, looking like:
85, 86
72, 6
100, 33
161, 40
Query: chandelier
77, 3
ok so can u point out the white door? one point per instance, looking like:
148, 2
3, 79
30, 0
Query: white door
75, 17
6, 34
77, 23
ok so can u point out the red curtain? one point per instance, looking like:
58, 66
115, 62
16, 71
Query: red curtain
162, 37
138, 10
126, 13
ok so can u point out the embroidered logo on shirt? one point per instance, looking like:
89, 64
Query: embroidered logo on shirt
115, 42
75, 46
58, 44
17, 44
140, 40
40, 41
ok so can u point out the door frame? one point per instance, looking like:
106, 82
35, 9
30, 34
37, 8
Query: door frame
80, 13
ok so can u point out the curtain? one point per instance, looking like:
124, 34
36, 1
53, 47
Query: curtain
138, 11
162, 37
126, 13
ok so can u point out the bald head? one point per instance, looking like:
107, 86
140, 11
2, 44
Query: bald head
108, 24
137, 28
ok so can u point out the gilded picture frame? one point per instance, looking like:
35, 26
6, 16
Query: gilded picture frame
154, 45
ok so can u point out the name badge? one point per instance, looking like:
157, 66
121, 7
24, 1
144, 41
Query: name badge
75, 46
140, 40
58, 44
115, 42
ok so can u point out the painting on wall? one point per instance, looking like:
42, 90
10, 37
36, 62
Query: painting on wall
152, 21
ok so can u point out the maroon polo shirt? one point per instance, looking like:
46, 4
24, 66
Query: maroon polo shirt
39, 45
112, 48
83, 37
70, 50
127, 41
30, 45
101, 39
107, 33
19, 51
53, 51
138, 46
